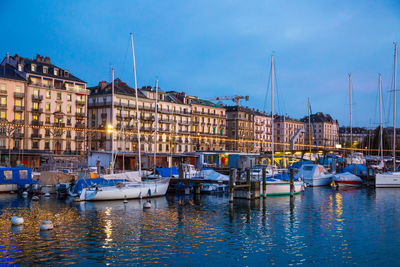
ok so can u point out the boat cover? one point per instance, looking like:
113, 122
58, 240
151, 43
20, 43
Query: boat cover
166, 172
84, 183
16, 175
298, 164
128, 176
360, 169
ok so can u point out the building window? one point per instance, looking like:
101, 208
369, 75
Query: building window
58, 108
18, 103
44, 69
47, 144
69, 97
69, 109
3, 101
18, 89
35, 117
56, 72
3, 87
47, 106
47, 119
17, 116
36, 92
47, 133
33, 67
3, 115
35, 105
48, 94
58, 95
35, 144
68, 120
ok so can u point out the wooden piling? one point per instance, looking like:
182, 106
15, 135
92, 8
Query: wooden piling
248, 182
264, 182
232, 176
291, 182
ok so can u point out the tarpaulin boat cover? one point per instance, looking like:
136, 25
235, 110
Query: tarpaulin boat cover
360, 169
84, 183
54, 177
128, 176
298, 164
16, 175
166, 172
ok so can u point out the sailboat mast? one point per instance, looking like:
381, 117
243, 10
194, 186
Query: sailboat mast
380, 119
309, 126
351, 118
137, 107
112, 120
394, 108
272, 110
156, 129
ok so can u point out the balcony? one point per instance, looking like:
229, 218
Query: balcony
37, 122
79, 125
18, 121
68, 135
36, 136
80, 102
18, 95
18, 135
59, 124
147, 118
79, 138
18, 108
37, 97
37, 110
3, 92
80, 114
3, 106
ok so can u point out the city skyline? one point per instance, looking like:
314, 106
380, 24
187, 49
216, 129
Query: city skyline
194, 49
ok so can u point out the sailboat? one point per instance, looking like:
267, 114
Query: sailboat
391, 179
276, 186
132, 185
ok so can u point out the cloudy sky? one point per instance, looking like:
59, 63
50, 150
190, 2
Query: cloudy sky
222, 48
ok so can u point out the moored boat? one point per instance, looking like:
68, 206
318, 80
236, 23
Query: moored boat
347, 179
314, 175
277, 187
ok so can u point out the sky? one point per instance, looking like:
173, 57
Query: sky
214, 48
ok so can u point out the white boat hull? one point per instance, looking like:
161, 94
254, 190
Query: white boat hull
128, 191
324, 180
388, 179
347, 180
278, 188
6, 188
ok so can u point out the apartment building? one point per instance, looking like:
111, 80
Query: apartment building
262, 132
240, 129
325, 130
289, 134
172, 123
208, 124
52, 107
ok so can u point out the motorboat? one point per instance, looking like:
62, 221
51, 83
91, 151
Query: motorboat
209, 188
129, 186
278, 187
388, 179
356, 158
314, 175
256, 171
347, 179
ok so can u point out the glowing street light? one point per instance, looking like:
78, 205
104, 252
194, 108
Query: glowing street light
109, 128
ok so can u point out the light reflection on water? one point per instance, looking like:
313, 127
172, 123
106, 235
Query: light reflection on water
320, 226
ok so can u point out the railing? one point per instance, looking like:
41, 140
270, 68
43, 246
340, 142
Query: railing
80, 102
38, 110
3, 106
36, 122
18, 95
3, 92
37, 97
18, 135
36, 136
59, 124
80, 114
80, 125
18, 108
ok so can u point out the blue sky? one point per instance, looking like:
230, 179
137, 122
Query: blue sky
218, 48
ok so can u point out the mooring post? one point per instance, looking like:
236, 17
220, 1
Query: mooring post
264, 182
232, 174
248, 182
291, 182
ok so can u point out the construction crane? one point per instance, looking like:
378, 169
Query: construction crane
235, 98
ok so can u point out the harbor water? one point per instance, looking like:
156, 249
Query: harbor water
320, 226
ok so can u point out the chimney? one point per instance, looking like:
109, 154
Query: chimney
47, 60
102, 84
37, 58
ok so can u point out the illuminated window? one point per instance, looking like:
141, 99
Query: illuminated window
3, 87
17, 116
36, 92
48, 94
47, 106
35, 105
2, 115
58, 95
69, 97
18, 103
35, 117
18, 89
58, 108
3, 101
47, 118
69, 108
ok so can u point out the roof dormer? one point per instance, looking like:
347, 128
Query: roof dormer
45, 69
33, 67
66, 73
55, 71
